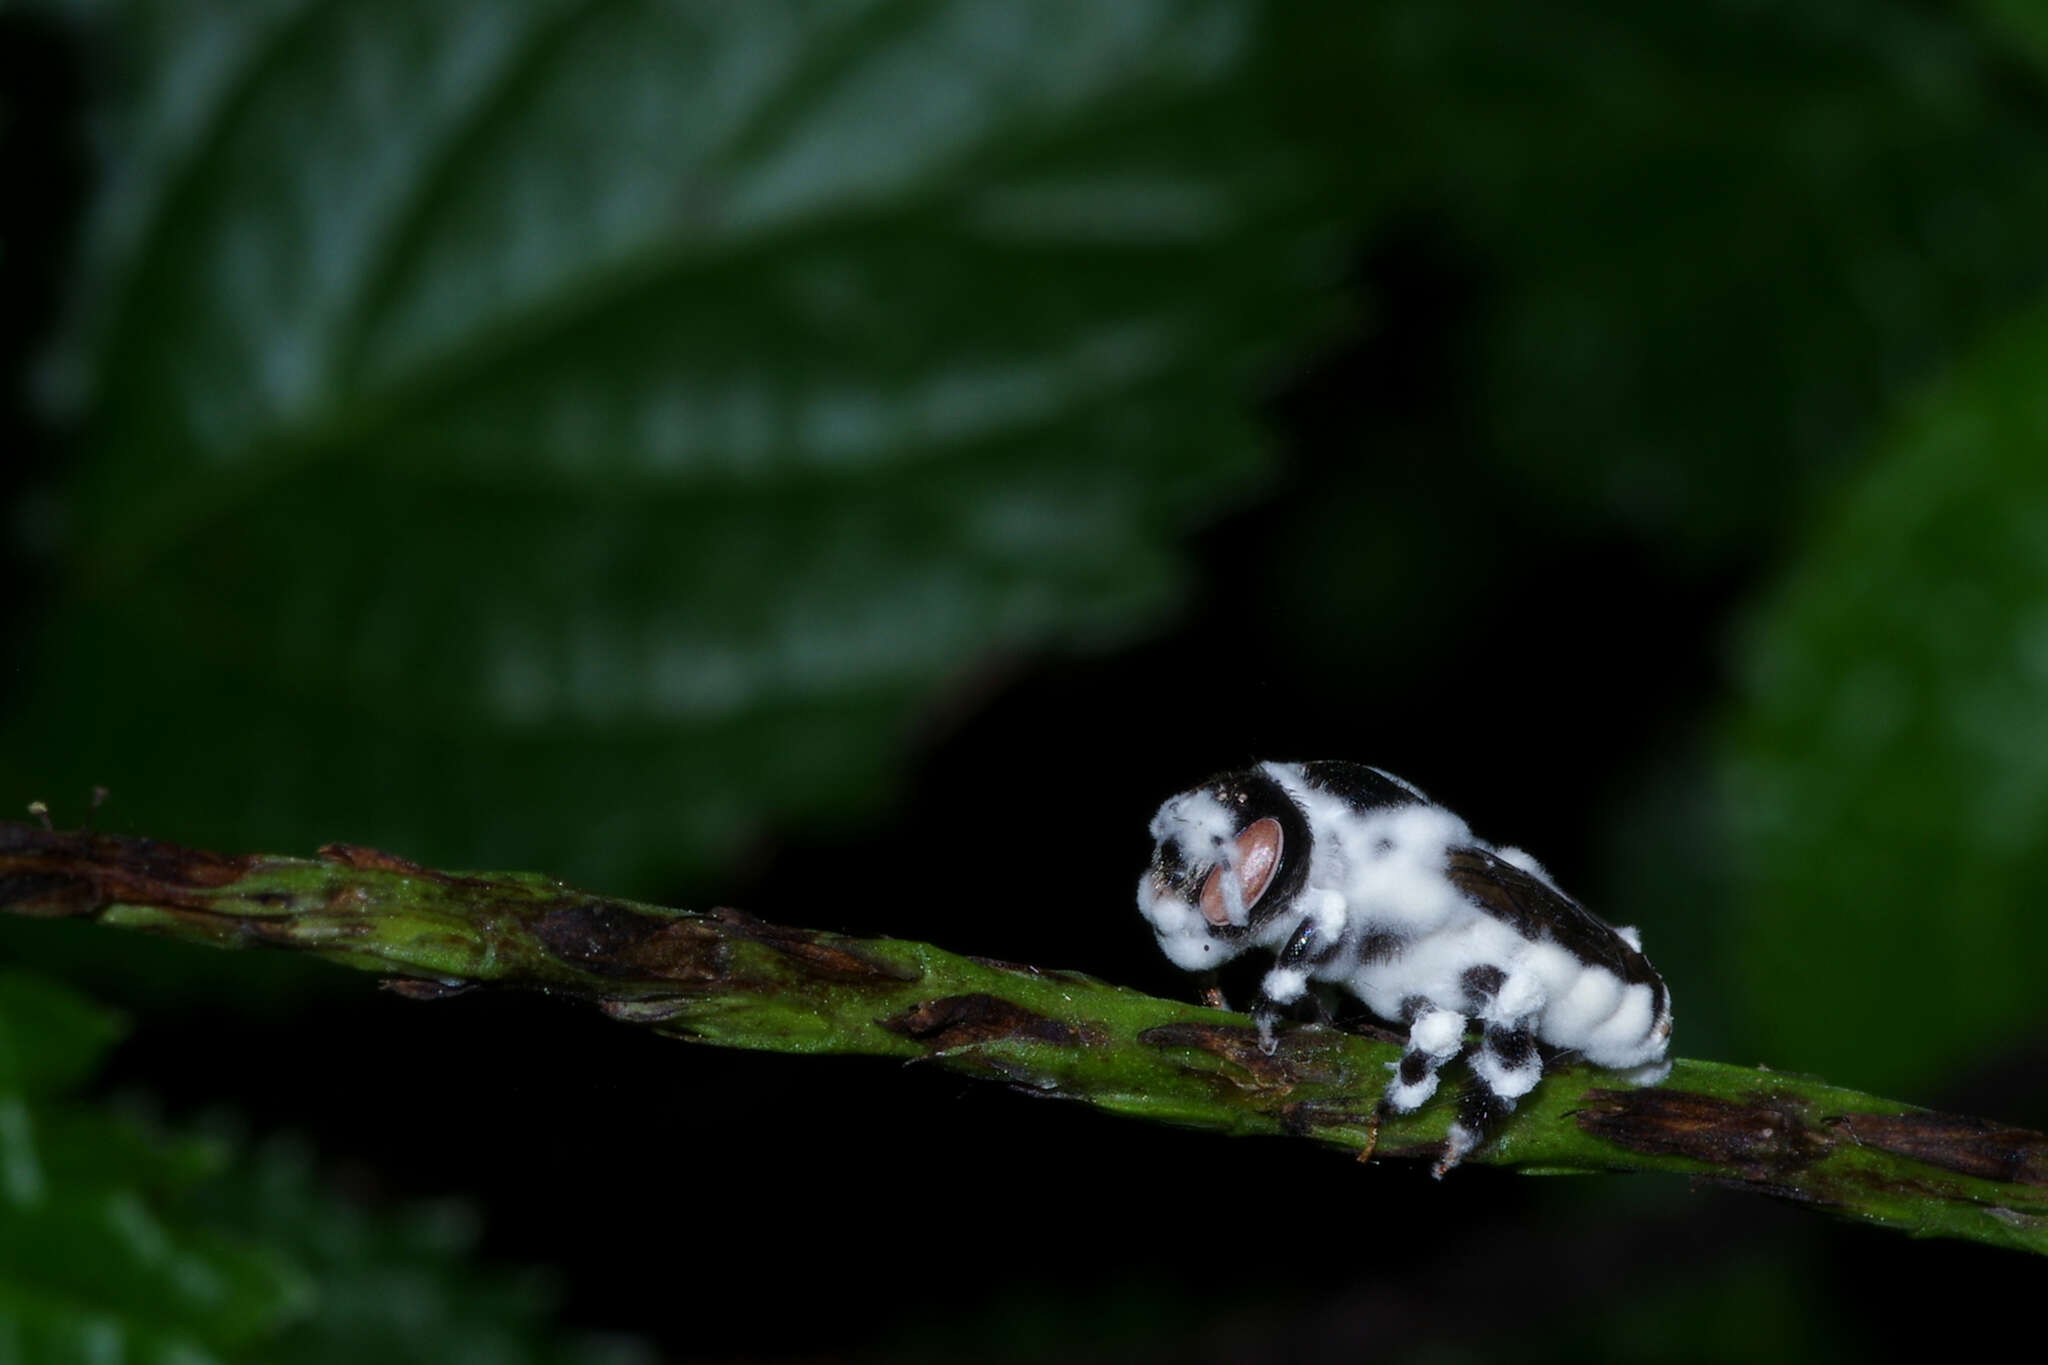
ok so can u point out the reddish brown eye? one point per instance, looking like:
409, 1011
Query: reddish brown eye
1258, 857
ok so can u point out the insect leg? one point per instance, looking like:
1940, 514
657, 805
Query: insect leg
1506, 1066
1504, 1069
1288, 980
1435, 1036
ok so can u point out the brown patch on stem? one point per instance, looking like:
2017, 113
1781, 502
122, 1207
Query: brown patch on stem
612, 940
1310, 1053
59, 873
422, 988
622, 942
1305, 1117
1954, 1142
1234, 1043
963, 1020
998, 964
377, 860
1756, 1138
821, 955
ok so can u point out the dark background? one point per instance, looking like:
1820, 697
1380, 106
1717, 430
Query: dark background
1576, 371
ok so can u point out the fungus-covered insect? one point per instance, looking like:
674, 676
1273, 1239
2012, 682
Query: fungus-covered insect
1355, 878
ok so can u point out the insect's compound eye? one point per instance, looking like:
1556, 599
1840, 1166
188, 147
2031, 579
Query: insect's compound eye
1255, 859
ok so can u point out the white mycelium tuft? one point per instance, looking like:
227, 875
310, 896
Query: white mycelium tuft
1371, 904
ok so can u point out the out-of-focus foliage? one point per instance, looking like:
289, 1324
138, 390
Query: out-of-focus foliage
2021, 23
395, 1285
1710, 242
1791, 215
116, 1244
578, 436
1890, 774
577, 433
1713, 251
96, 1261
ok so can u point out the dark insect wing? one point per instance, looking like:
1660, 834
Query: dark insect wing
1361, 787
1539, 911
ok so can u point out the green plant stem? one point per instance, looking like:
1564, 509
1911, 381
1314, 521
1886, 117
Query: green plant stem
725, 978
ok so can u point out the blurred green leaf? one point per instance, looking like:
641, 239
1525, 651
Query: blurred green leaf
50, 1038
1708, 243
396, 1286
96, 1260
118, 1243
2023, 23
1889, 769
1791, 215
1757, 1305
572, 435
108, 1259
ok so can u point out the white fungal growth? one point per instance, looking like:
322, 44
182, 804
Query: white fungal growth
1352, 877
